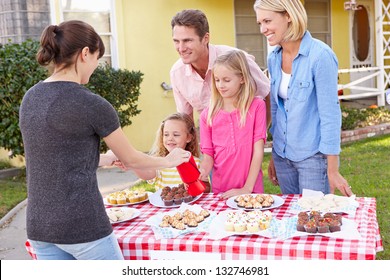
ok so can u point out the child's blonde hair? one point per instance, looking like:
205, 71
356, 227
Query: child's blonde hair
192, 146
235, 61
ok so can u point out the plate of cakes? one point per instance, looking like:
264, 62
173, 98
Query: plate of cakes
122, 214
126, 197
172, 197
185, 219
250, 202
240, 222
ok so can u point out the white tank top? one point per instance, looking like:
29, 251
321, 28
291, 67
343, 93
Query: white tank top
284, 85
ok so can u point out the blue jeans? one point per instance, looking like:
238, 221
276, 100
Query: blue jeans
106, 248
310, 173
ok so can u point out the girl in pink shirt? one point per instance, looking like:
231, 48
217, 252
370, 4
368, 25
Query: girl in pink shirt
233, 129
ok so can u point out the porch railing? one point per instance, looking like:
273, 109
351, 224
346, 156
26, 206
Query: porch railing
359, 91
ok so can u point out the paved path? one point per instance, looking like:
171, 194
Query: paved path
13, 225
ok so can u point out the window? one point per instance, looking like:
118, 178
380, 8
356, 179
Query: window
248, 36
97, 13
318, 19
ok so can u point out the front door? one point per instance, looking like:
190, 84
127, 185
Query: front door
362, 41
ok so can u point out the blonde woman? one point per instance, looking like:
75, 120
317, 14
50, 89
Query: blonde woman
305, 111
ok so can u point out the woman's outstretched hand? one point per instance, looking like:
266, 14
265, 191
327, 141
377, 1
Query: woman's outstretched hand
177, 156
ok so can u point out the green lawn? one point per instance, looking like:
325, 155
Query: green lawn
365, 164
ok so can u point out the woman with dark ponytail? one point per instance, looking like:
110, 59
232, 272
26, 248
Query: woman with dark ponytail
62, 123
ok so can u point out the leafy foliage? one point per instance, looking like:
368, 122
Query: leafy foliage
19, 71
120, 87
353, 118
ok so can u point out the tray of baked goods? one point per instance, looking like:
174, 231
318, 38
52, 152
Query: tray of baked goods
255, 202
239, 222
172, 197
187, 218
127, 197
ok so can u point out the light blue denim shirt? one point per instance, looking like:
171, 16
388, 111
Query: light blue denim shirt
309, 120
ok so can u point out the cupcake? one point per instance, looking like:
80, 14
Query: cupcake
178, 199
314, 214
266, 203
253, 226
168, 200
229, 225
268, 215
204, 213
301, 224
303, 215
241, 203
187, 198
199, 218
121, 199
248, 206
334, 226
339, 218
111, 198
322, 226
264, 223
311, 226
239, 226
192, 223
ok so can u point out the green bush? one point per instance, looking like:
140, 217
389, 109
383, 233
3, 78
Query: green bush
353, 118
19, 71
120, 87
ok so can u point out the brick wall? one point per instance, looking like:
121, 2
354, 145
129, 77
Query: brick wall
365, 132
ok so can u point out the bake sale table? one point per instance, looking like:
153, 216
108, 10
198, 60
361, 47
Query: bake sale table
138, 242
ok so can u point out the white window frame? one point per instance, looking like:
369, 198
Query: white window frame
112, 35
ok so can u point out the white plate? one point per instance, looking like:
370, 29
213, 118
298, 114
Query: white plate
278, 201
155, 199
129, 214
129, 203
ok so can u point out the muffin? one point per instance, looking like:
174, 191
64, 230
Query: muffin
322, 226
204, 213
229, 225
311, 227
187, 198
264, 223
303, 215
111, 198
178, 199
253, 226
121, 199
301, 224
239, 226
168, 200
334, 226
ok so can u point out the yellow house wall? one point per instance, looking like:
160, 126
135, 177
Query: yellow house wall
340, 33
145, 44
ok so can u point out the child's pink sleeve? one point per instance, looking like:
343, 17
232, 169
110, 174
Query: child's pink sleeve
260, 127
206, 145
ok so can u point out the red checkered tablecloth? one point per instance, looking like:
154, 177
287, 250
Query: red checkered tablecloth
137, 239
